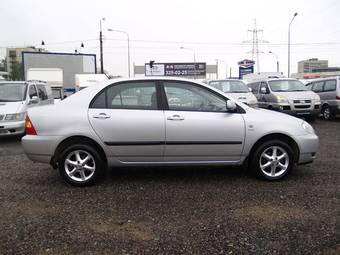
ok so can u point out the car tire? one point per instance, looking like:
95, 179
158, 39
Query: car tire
268, 165
327, 113
81, 165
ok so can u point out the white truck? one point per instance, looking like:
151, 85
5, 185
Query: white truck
52, 76
86, 80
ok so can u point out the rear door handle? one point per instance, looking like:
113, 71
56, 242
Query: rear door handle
101, 116
175, 117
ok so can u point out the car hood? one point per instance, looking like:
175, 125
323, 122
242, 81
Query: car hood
10, 107
243, 97
296, 95
268, 121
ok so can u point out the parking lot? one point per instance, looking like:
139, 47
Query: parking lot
172, 210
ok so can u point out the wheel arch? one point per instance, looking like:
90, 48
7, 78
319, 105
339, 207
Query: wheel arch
277, 136
76, 139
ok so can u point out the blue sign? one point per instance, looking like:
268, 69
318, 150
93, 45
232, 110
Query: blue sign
245, 70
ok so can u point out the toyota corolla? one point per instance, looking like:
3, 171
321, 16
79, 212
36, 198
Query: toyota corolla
163, 121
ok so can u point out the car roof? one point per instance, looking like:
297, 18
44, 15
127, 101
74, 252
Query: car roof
325, 78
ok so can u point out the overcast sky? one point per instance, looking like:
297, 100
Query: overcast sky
157, 29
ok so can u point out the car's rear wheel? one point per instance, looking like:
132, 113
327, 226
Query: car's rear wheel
81, 165
327, 113
272, 160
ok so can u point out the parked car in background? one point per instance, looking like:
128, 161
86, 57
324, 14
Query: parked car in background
15, 98
163, 121
288, 96
52, 76
236, 89
329, 91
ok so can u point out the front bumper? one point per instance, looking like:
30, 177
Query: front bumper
40, 148
308, 145
291, 109
12, 128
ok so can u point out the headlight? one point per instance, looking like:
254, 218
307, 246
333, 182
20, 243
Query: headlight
317, 99
308, 128
282, 99
15, 116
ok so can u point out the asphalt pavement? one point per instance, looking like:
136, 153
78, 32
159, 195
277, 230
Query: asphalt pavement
173, 210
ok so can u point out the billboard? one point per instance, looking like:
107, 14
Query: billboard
70, 63
176, 69
246, 66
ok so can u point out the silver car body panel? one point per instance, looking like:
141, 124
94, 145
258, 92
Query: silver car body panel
200, 138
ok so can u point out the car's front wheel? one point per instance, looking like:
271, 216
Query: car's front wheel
80, 165
327, 113
273, 160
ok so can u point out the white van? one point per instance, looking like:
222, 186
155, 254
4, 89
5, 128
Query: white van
236, 89
15, 98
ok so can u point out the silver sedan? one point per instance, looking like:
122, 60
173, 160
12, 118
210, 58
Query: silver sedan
163, 121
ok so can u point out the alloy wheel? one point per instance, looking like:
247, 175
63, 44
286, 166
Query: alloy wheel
80, 165
274, 161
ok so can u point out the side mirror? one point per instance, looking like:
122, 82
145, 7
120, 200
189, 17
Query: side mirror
263, 90
231, 106
34, 100
250, 89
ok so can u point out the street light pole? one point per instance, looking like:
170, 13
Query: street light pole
295, 14
101, 46
216, 69
128, 45
194, 53
277, 61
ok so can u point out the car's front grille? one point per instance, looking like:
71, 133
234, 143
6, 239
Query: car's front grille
302, 101
1, 117
306, 106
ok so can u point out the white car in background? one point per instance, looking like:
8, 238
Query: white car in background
15, 98
236, 89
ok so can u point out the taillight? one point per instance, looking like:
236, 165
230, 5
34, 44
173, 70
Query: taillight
30, 130
337, 98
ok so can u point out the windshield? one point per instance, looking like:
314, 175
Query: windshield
230, 86
56, 93
286, 86
12, 92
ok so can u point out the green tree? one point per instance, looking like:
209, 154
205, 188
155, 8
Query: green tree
3, 65
16, 72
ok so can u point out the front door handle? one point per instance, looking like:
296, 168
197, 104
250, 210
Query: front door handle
101, 116
175, 117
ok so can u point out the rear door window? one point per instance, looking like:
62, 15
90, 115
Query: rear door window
318, 86
330, 85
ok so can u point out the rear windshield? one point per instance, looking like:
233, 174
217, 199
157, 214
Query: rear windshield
12, 92
287, 86
230, 86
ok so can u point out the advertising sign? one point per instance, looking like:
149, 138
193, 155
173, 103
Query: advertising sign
176, 69
246, 66
156, 70
243, 71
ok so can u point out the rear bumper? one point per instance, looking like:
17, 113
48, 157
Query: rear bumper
12, 128
308, 145
40, 148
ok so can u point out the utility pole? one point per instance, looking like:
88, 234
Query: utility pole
101, 47
295, 14
255, 45
216, 69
